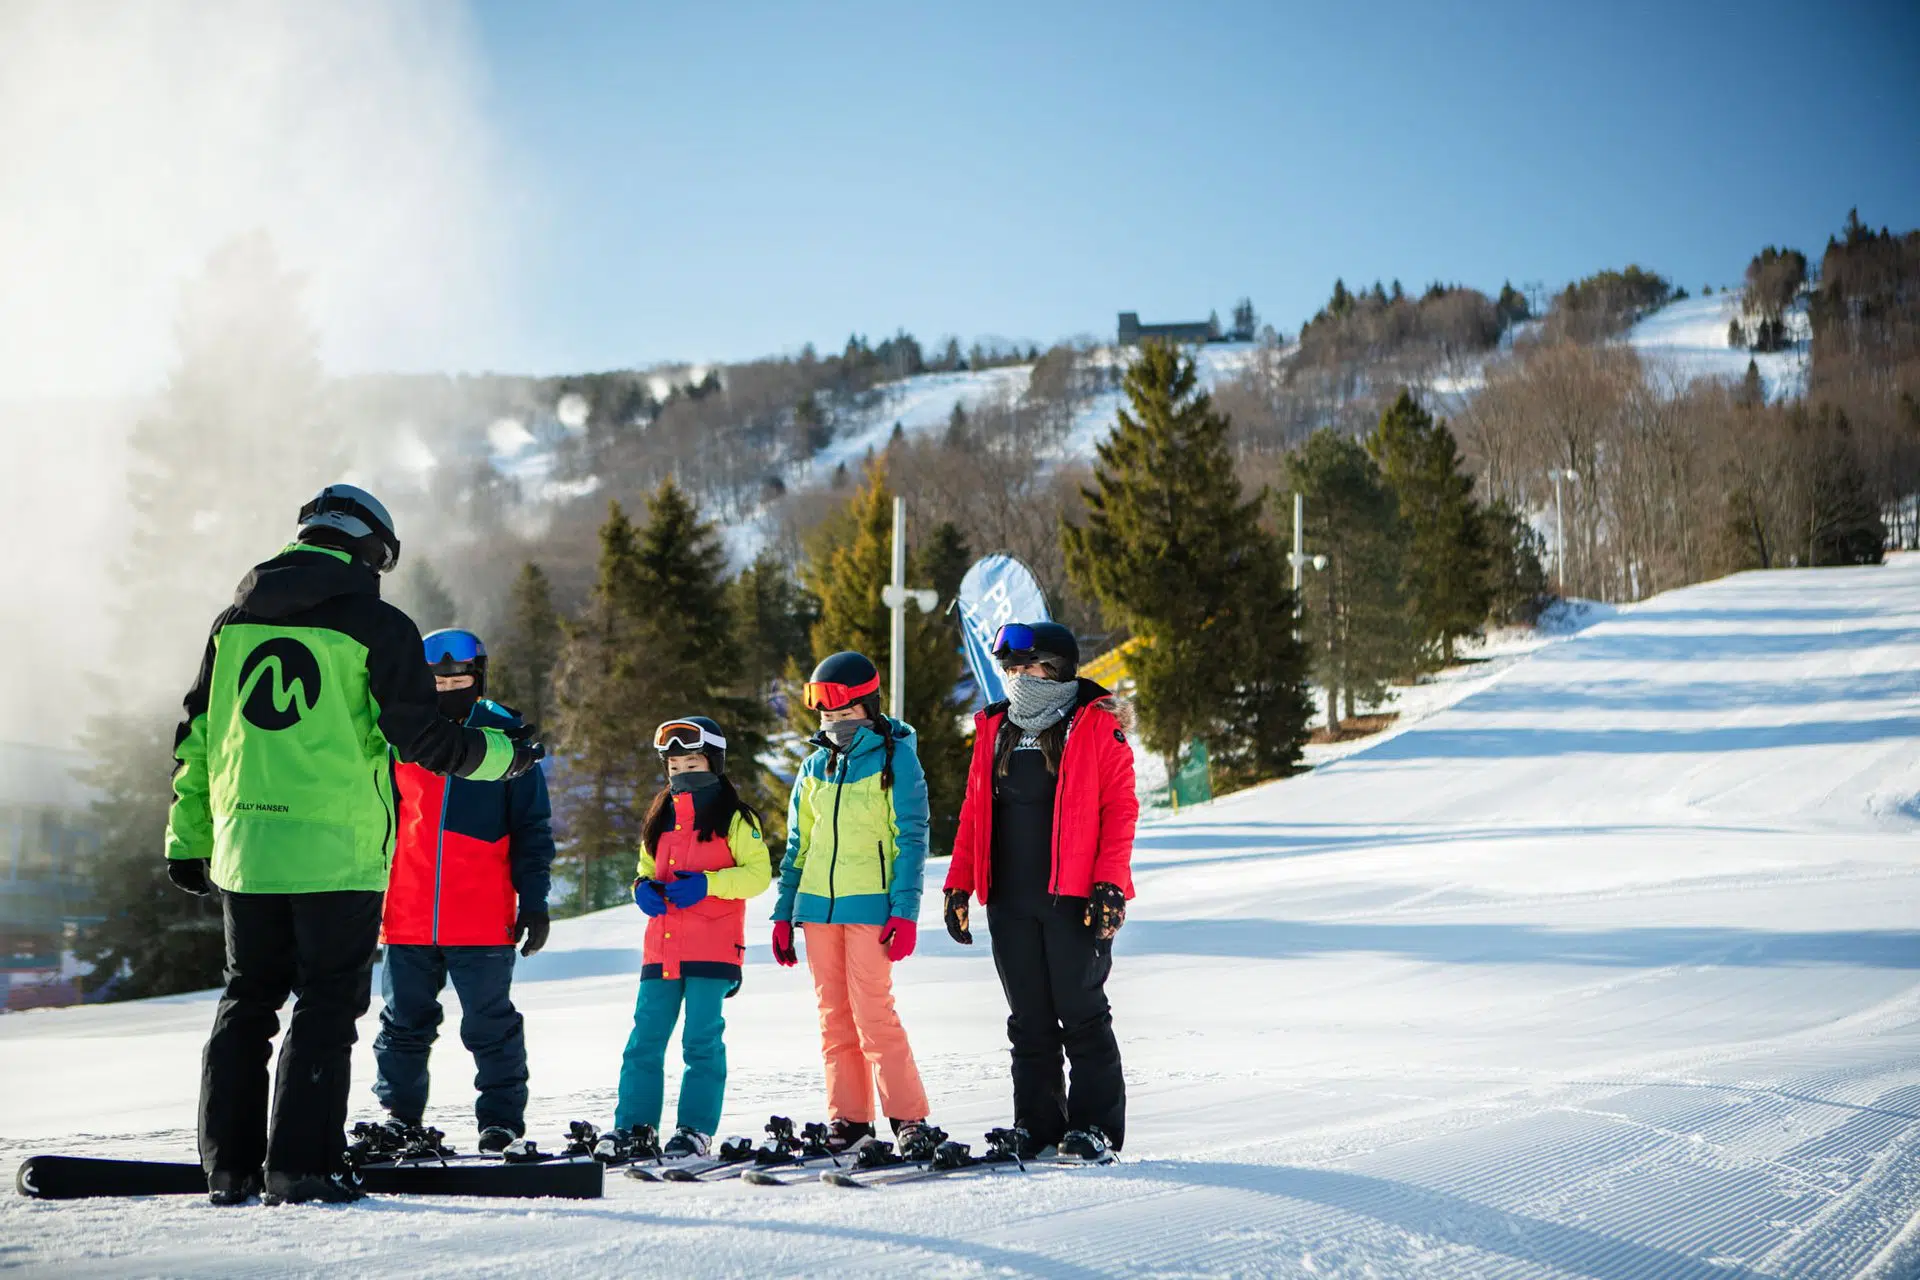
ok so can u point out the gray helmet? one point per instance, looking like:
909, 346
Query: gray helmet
356, 521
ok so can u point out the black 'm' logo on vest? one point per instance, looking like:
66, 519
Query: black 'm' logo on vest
269, 679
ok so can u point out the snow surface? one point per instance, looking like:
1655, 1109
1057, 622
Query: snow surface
1688, 340
1609, 970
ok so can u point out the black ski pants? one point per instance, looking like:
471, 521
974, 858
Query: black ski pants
1055, 980
320, 946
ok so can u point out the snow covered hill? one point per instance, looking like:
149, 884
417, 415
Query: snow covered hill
1610, 970
1688, 340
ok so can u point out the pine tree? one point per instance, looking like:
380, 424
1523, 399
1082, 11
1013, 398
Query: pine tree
601, 701
658, 640
234, 445
1357, 624
521, 661
692, 638
155, 940
1447, 553
959, 433
1171, 547
943, 560
774, 615
1516, 571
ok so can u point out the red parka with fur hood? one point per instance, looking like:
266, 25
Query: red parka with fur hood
1094, 807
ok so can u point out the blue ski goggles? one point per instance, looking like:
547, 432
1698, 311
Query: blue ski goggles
453, 646
1014, 637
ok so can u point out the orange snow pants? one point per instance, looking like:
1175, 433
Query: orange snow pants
860, 1034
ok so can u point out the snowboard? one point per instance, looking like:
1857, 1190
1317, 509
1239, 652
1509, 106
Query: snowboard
82, 1177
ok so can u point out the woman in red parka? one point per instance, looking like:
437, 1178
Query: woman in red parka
1046, 841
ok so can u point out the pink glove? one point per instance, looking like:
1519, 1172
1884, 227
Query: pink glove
783, 951
898, 938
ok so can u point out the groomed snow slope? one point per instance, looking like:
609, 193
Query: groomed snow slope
1688, 340
1612, 970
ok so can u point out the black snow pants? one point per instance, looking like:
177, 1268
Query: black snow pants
319, 946
1055, 980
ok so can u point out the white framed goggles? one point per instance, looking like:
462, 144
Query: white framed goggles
686, 736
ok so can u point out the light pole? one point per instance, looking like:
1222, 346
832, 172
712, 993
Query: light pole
1299, 558
895, 596
1560, 523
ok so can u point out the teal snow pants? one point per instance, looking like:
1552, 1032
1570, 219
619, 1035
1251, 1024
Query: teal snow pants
643, 1068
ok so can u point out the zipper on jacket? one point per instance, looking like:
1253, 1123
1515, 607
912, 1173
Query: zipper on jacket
1054, 853
439, 847
880, 848
833, 861
386, 811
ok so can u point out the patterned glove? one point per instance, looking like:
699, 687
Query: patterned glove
957, 917
1106, 910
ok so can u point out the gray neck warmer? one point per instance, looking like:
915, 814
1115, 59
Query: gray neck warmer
1035, 702
841, 732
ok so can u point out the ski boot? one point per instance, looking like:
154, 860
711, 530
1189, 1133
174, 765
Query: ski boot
1086, 1146
844, 1135
685, 1144
312, 1188
495, 1139
226, 1188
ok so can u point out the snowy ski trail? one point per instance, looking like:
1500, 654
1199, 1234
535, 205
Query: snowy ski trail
1611, 969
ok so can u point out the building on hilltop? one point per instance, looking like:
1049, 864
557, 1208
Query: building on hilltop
1133, 333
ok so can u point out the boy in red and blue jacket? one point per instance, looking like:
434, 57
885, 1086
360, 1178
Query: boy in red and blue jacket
471, 866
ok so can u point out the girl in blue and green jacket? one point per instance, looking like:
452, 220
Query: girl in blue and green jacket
856, 852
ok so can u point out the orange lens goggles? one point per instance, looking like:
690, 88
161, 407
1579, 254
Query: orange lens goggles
687, 736
821, 695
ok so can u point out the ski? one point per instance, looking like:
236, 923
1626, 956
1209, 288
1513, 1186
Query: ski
83, 1177
884, 1170
733, 1156
783, 1148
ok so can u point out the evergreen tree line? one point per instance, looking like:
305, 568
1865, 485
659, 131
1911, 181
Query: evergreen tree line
1354, 355
1196, 569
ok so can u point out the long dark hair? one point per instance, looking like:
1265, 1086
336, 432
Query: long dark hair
710, 820
1052, 740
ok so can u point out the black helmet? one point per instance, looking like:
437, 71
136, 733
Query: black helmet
352, 520
843, 680
453, 652
1049, 643
684, 735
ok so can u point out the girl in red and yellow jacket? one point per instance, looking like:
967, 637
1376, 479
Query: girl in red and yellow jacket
1046, 840
702, 857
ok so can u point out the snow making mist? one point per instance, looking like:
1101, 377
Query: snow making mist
207, 210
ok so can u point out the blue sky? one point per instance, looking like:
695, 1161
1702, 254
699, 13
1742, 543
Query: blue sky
722, 181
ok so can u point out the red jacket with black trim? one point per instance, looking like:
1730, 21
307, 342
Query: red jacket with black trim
1094, 807
467, 855
707, 939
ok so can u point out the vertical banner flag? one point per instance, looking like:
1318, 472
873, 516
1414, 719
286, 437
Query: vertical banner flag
997, 590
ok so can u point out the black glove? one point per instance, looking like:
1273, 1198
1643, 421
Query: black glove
528, 750
190, 874
1106, 910
532, 925
957, 917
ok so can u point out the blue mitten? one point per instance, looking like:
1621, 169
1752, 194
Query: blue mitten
687, 888
647, 897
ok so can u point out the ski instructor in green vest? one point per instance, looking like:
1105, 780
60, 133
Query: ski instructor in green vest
283, 800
